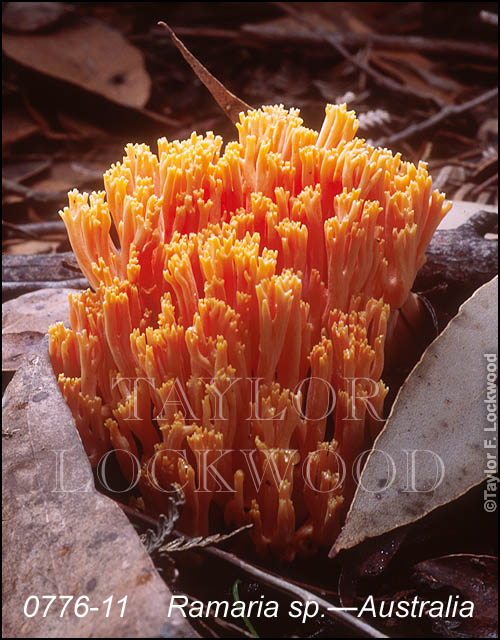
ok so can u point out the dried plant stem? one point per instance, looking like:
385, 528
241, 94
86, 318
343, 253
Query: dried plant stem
351, 39
357, 625
11, 186
378, 77
485, 184
13, 289
36, 229
445, 112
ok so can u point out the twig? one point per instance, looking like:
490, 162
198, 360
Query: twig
182, 543
53, 267
357, 625
13, 289
36, 229
139, 516
42, 122
485, 184
155, 539
158, 117
19, 229
379, 78
350, 39
33, 194
72, 266
445, 112
229, 103
487, 164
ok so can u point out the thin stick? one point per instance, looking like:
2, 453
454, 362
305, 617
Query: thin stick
12, 186
379, 78
18, 288
36, 229
229, 103
357, 625
485, 184
19, 230
445, 112
350, 39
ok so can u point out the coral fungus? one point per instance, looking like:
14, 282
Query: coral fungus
233, 344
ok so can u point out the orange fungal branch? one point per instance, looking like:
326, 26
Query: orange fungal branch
233, 343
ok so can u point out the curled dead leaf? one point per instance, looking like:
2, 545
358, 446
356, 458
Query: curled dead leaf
475, 578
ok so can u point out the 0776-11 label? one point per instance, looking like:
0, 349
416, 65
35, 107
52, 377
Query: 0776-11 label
70, 605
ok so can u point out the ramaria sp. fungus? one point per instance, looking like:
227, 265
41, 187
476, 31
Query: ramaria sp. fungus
233, 343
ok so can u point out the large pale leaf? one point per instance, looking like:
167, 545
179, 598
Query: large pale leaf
440, 408
62, 537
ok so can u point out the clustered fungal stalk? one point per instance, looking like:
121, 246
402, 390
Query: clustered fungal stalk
250, 289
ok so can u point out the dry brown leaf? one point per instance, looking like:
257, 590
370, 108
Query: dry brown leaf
439, 409
475, 578
88, 54
25, 321
32, 16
